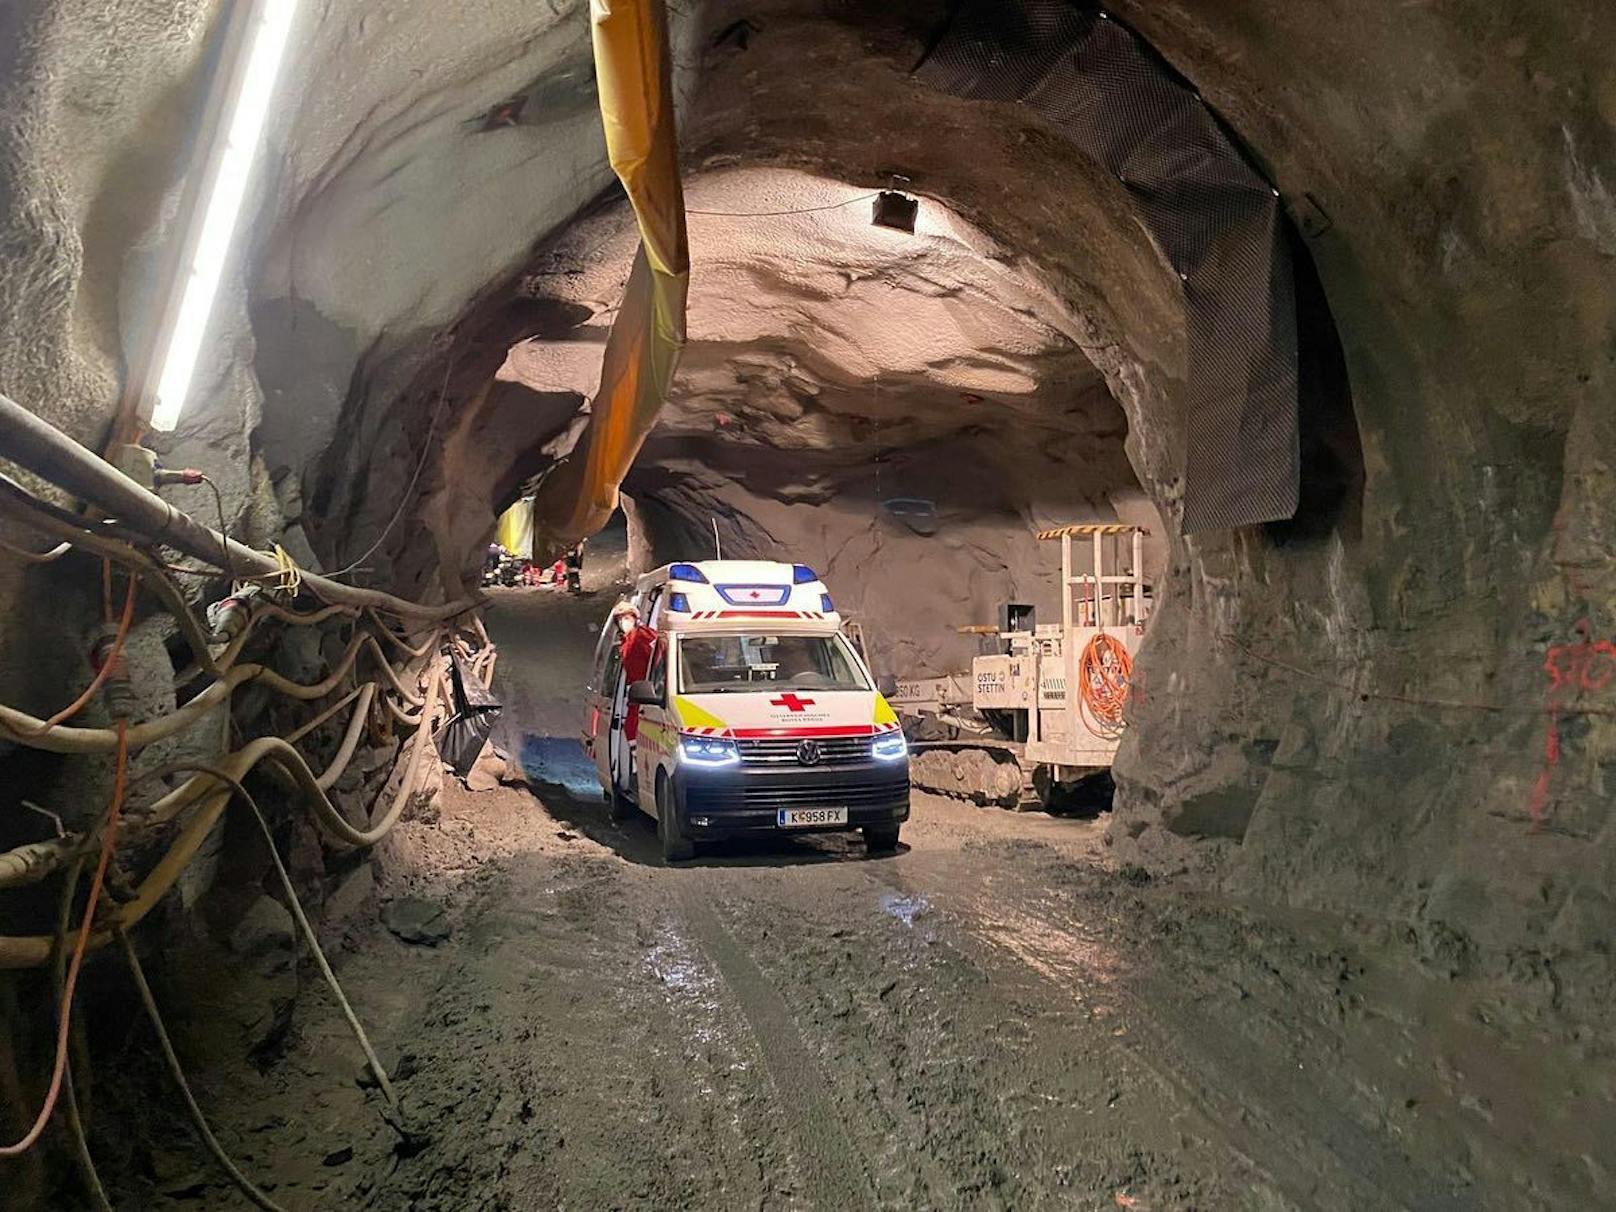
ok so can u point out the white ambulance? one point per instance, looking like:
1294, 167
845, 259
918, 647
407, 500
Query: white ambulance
757, 717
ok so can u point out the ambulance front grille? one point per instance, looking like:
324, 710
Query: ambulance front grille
771, 795
784, 751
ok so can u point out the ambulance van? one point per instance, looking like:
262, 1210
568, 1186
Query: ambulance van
757, 716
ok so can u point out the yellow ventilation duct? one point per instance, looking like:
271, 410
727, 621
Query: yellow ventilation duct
632, 67
515, 530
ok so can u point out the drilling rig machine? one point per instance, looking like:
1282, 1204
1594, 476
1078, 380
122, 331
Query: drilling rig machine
1009, 733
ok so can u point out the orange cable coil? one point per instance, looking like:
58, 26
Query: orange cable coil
1104, 675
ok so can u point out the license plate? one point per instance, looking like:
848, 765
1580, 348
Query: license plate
797, 818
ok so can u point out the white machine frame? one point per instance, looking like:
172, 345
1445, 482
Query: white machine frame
1087, 609
1033, 676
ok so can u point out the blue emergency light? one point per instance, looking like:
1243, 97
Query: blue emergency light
801, 574
686, 572
678, 603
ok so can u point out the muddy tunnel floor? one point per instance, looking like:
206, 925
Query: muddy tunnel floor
995, 1017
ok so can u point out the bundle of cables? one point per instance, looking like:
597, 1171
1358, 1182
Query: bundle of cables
1104, 672
147, 534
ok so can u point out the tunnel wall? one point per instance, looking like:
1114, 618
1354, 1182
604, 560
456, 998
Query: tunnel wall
97, 100
99, 103
1217, 223
1377, 731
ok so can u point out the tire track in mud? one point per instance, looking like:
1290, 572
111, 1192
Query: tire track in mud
830, 1166
951, 1081
1290, 1125
1312, 1152
1077, 970
562, 1064
1077, 962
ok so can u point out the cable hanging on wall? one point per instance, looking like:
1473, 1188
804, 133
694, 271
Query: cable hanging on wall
772, 214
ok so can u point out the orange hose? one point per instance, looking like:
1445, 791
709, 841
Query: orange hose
1104, 672
113, 655
109, 837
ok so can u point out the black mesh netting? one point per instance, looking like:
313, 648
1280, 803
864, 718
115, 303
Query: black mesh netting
1216, 220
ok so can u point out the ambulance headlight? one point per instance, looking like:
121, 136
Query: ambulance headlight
889, 747
708, 751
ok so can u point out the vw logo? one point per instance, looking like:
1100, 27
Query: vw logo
808, 753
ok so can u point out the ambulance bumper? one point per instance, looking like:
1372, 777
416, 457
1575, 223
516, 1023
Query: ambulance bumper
736, 800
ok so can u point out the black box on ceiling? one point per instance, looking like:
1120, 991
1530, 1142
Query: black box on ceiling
895, 210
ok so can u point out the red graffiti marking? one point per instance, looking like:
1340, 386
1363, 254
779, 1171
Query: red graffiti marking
1584, 667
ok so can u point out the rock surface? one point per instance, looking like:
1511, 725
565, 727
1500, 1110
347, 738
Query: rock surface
264, 930
415, 920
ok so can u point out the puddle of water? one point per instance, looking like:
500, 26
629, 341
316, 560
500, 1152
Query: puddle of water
905, 908
1079, 964
560, 761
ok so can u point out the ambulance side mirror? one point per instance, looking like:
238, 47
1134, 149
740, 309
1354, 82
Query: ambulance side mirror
887, 685
643, 693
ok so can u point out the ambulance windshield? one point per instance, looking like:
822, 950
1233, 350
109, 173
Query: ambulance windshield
720, 664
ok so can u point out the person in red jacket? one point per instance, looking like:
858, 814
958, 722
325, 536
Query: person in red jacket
636, 646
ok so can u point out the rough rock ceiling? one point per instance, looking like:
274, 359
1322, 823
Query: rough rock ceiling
820, 337
747, 104
834, 365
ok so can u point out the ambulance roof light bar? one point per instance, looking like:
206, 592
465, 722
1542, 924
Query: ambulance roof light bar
230, 167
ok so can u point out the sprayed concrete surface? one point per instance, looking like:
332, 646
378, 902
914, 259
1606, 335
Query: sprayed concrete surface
996, 1017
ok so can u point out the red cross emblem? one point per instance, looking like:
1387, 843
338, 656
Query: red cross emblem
791, 703
755, 595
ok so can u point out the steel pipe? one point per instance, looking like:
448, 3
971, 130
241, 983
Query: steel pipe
36, 444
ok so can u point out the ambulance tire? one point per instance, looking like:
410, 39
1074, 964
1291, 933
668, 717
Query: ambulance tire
881, 840
675, 845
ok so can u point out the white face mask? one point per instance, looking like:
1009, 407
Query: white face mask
625, 623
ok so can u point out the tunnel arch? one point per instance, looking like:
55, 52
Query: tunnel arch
1117, 315
520, 361
1385, 542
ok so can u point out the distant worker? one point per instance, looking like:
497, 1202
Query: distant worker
575, 568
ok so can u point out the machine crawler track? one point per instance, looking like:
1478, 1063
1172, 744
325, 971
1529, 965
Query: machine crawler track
988, 773
995, 773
